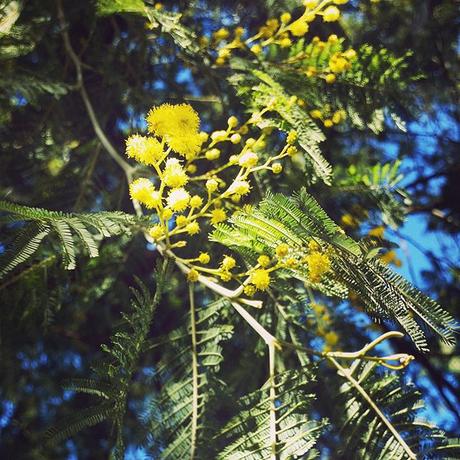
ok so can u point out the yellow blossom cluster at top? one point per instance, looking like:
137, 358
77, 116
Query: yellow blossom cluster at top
282, 32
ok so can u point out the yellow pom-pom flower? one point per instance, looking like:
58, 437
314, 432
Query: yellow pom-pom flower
248, 159
282, 250
331, 14
193, 276
173, 120
228, 263
204, 258
181, 221
141, 190
263, 261
192, 228
299, 28
377, 232
260, 278
249, 290
218, 216
178, 125
285, 18
156, 232
146, 150
277, 168
212, 185
240, 187
318, 265
196, 201
174, 174
178, 199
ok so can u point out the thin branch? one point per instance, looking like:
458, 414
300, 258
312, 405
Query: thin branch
127, 168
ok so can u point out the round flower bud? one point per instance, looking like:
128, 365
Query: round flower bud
193, 276
212, 185
277, 168
328, 123
330, 78
232, 122
331, 14
248, 159
212, 154
204, 258
235, 138
285, 18
192, 228
263, 261
196, 201
249, 290
282, 250
228, 263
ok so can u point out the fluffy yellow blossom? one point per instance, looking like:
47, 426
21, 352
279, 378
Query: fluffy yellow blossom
181, 221
178, 125
141, 190
277, 168
248, 159
178, 199
193, 275
285, 42
285, 18
249, 290
260, 278
193, 228
291, 137
174, 174
338, 64
157, 231
299, 28
225, 275
240, 187
187, 145
212, 185
291, 262
256, 49
146, 150
263, 261
204, 258
218, 216
282, 250
328, 123
291, 151
318, 265
196, 201
349, 54
331, 14
377, 232
228, 263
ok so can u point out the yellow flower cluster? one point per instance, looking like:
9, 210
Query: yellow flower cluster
176, 150
276, 31
329, 118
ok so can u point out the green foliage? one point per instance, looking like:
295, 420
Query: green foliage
87, 228
114, 374
247, 434
385, 294
178, 415
364, 433
377, 187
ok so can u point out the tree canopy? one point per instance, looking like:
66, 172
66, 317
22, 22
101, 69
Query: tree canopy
229, 229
